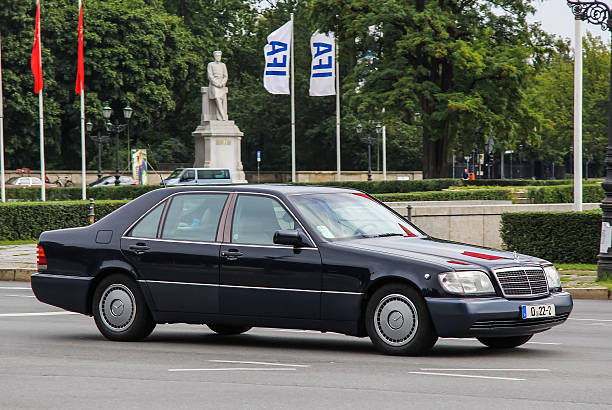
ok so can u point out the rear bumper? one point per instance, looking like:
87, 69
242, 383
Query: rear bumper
66, 292
494, 316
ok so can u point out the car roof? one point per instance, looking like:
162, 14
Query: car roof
280, 189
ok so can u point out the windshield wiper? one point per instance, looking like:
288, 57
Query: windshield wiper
382, 235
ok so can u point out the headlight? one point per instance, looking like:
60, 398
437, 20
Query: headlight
552, 276
466, 282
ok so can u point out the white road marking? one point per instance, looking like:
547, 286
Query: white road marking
14, 288
256, 369
36, 314
473, 376
591, 320
19, 296
486, 370
262, 363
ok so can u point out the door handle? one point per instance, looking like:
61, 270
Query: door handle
139, 248
231, 255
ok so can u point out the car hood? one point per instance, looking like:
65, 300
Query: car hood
454, 255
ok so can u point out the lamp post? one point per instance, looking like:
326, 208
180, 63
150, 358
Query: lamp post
597, 12
378, 132
115, 128
98, 139
369, 141
127, 114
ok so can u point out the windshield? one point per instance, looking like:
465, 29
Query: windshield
351, 215
175, 173
12, 180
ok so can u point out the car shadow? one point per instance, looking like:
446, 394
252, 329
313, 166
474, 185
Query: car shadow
315, 342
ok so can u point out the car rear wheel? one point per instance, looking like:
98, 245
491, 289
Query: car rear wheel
398, 322
504, 342
120, 311
228, 330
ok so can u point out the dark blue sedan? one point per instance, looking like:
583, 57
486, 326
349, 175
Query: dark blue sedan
326, 259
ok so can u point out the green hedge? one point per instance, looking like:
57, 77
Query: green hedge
74, 193
517, 182
451, 195
383, 187
26, 220
560, 237
565, 194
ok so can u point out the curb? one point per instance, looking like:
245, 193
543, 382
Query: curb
595, 293
18, 274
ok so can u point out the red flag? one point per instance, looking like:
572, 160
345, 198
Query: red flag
80, 79
36, 61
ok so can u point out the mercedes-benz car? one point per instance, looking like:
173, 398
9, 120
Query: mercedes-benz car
303, 257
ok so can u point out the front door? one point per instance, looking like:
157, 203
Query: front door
178, 259
259, 278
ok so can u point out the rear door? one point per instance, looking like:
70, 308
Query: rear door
260, 278
174, 250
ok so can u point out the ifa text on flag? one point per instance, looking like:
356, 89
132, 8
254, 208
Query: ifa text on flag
323, 68
277, 54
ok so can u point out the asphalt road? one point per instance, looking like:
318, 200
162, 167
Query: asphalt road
53, 360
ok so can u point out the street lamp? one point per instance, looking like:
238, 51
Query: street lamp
378, 132
127, 114
99, 139
596, 12
369, 141
115, 128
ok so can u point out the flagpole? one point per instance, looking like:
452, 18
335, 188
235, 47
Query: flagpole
41, 120
83, 163
2, 187
384, 149
293, 178
338, 172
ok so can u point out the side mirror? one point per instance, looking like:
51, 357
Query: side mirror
288, 237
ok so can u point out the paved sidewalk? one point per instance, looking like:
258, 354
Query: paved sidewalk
18, 262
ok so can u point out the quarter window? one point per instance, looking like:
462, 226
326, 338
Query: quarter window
147, 227
194, 217
256, 218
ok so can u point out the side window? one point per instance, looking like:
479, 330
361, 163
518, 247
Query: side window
194, 217
189, 175
147, 227
256, 218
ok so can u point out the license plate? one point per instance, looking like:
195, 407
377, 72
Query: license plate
531, 311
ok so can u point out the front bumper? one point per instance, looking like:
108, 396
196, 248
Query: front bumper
495, 316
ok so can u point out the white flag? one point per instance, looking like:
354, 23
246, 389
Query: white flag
323, 73
277, 54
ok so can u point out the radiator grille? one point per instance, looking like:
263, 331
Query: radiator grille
522, 282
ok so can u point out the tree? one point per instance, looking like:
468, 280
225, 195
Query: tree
460, 66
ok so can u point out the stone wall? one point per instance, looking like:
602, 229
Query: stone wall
473, 222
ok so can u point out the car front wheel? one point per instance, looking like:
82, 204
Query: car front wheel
120, 311
398, 322
504, 342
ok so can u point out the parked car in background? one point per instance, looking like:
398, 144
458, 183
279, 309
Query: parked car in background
109, 180
25, 182
199, 176
301, 257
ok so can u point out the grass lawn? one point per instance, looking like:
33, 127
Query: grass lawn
3, 243
576, 266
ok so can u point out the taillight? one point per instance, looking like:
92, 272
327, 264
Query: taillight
42, 259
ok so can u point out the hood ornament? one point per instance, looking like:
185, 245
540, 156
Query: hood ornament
515, 256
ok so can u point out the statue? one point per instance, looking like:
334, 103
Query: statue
217, 75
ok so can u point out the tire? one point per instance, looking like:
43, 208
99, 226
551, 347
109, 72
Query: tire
120, 311
504, 342
398, 322
228, 330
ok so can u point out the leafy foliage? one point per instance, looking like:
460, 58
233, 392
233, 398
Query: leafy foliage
452, 195
26, 220
565, 194
560, 237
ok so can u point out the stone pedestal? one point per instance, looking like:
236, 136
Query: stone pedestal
217, 143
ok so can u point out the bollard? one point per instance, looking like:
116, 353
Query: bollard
409, 212
92, 213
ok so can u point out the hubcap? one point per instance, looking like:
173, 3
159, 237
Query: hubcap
117, 307
396, 320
